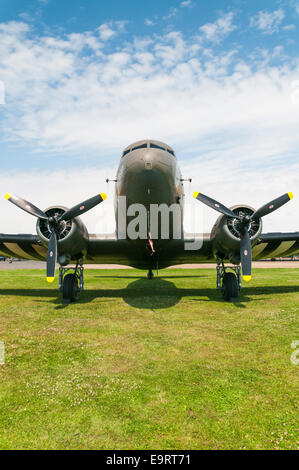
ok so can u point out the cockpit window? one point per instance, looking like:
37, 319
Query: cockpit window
143, 146
151, 145
154, 146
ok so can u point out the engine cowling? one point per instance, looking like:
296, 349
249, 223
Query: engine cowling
226, 234
72, 235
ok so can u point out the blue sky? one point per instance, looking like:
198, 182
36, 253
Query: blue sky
219, 81
248, 38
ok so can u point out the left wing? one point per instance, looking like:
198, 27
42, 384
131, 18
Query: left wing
100, 249
22, 246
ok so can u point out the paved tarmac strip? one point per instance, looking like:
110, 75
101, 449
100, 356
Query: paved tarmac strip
6, 266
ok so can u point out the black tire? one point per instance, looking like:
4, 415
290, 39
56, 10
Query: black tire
70, 288
150, 275
230, 288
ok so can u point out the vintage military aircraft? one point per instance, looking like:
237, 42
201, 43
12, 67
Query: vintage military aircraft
149, 175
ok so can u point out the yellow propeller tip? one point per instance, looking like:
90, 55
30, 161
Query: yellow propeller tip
7, 196
195, 194
247, 278
103, 196
50, 279
291, 195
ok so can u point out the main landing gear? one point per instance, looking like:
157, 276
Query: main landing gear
229, 281
150, 274
72, 283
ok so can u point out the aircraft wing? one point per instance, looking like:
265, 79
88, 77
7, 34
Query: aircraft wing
190, 250
100, 250
113, 251
276, 245
107, 250
269, 245
22, 246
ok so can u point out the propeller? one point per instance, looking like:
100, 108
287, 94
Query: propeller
52, 256
245, 221
54, 223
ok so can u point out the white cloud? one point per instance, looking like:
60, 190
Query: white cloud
68, 94
226, 182
148, 22
171, 49
63, 97
14, 29
109, 30
268, 22
81, 185
289, 27
106, 32
172, 12
175, 11
187, 4
220, 29
244, 185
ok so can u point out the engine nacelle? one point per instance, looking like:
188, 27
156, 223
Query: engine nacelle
226, 234
72, 235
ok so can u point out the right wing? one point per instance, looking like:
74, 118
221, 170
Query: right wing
101, 250
276, 245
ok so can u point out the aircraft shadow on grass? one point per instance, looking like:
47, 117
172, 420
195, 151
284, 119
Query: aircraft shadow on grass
155, 294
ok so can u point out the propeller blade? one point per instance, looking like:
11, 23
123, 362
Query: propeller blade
245, 255
85, 206
208, 201
26, 206
52, 257
272, 206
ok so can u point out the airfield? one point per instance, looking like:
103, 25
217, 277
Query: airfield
138, 364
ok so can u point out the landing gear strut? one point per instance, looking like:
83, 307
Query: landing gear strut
150, 274
229, 281
72, 283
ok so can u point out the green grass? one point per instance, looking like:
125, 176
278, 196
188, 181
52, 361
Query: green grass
138, 364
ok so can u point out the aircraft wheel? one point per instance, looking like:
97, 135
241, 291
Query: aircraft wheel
150, 274
230, 288
70, 288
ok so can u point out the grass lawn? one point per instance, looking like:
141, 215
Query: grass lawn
138, 364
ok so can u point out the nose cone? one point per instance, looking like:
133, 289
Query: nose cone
149, 178
150, 187
149, 159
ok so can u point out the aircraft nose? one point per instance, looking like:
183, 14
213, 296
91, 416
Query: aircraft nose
149, 159
149, 177
148, 164
149, 173
160, 161
149, 186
